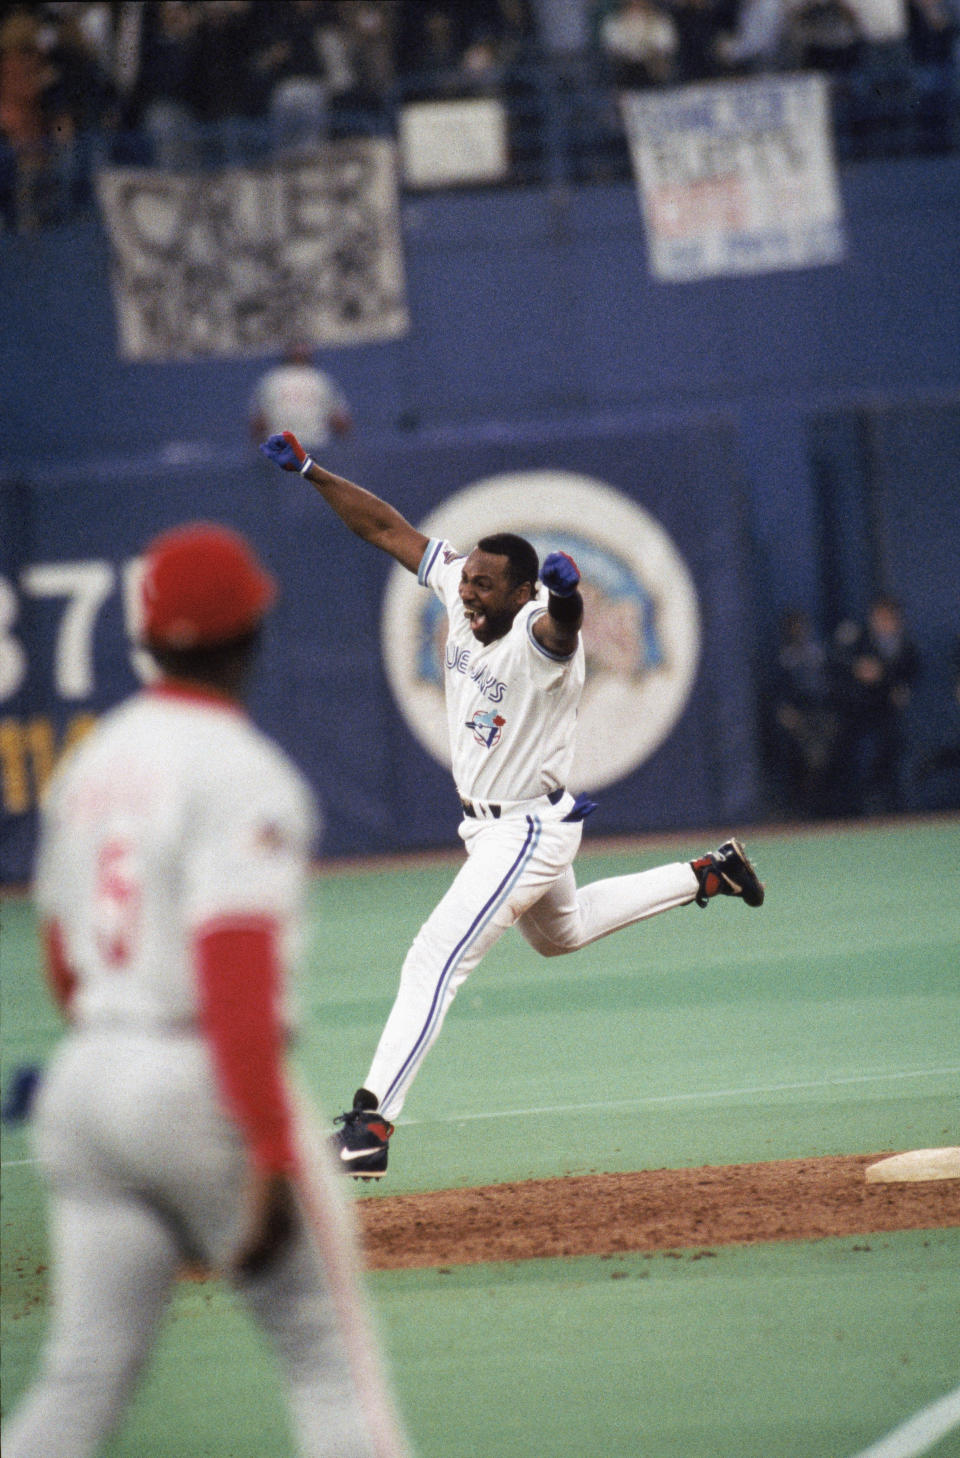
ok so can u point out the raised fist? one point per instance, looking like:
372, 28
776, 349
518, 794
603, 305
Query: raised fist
285, 450
560, 574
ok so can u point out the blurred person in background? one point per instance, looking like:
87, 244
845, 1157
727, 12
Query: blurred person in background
638, 41
296, 389
360, 48
227, 89
27, 137
83, 100
460, 48
699, 24
883, 22
756, 42
823, 35
293, 67
805, 725
933, 29
58, 105
429, 47
876, 666
944, 760
934, 48
163, 96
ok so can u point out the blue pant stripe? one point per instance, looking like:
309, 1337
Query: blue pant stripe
480, 921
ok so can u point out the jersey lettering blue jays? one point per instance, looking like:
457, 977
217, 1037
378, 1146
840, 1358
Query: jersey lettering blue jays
511, 705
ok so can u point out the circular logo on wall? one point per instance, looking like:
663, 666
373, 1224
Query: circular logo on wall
641, 630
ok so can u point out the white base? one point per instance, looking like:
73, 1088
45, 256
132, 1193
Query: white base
917, 1164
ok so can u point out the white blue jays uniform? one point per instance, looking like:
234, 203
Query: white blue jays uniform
511, 705
511, 714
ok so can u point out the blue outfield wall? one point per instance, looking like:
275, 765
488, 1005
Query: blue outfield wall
323, 688
797, 434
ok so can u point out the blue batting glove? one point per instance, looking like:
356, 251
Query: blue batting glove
285, 450
560, 574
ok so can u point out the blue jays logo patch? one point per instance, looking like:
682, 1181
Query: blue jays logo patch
486, 727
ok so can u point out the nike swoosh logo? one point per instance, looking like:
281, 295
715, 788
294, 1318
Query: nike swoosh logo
347, 1154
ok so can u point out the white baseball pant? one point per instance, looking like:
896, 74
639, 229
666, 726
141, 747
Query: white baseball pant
518, 872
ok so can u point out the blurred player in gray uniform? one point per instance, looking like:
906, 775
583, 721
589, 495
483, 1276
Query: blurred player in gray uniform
172, 864
298, 395
514, 671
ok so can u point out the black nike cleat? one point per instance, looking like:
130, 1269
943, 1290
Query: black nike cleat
360, 1146
727, 872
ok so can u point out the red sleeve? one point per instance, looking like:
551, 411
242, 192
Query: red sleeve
238, 973
61, 978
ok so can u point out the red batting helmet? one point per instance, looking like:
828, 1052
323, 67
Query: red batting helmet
202, 586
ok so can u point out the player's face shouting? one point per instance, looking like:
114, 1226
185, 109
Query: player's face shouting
489, 599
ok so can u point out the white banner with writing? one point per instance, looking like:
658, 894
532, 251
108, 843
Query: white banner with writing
736, 177
235, 261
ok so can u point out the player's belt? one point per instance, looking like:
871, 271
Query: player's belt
485, 810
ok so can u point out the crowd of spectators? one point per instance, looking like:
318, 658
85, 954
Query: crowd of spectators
839, 709
185, 82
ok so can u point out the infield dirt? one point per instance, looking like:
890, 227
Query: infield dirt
652, 1210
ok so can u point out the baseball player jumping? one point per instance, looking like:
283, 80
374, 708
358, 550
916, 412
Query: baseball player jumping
173, 858
514, 672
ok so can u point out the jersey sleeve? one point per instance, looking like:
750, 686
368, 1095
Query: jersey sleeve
61, 977
239, 982
546, 669
440, 568
537, 610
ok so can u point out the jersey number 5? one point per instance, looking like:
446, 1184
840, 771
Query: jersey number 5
116, 903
